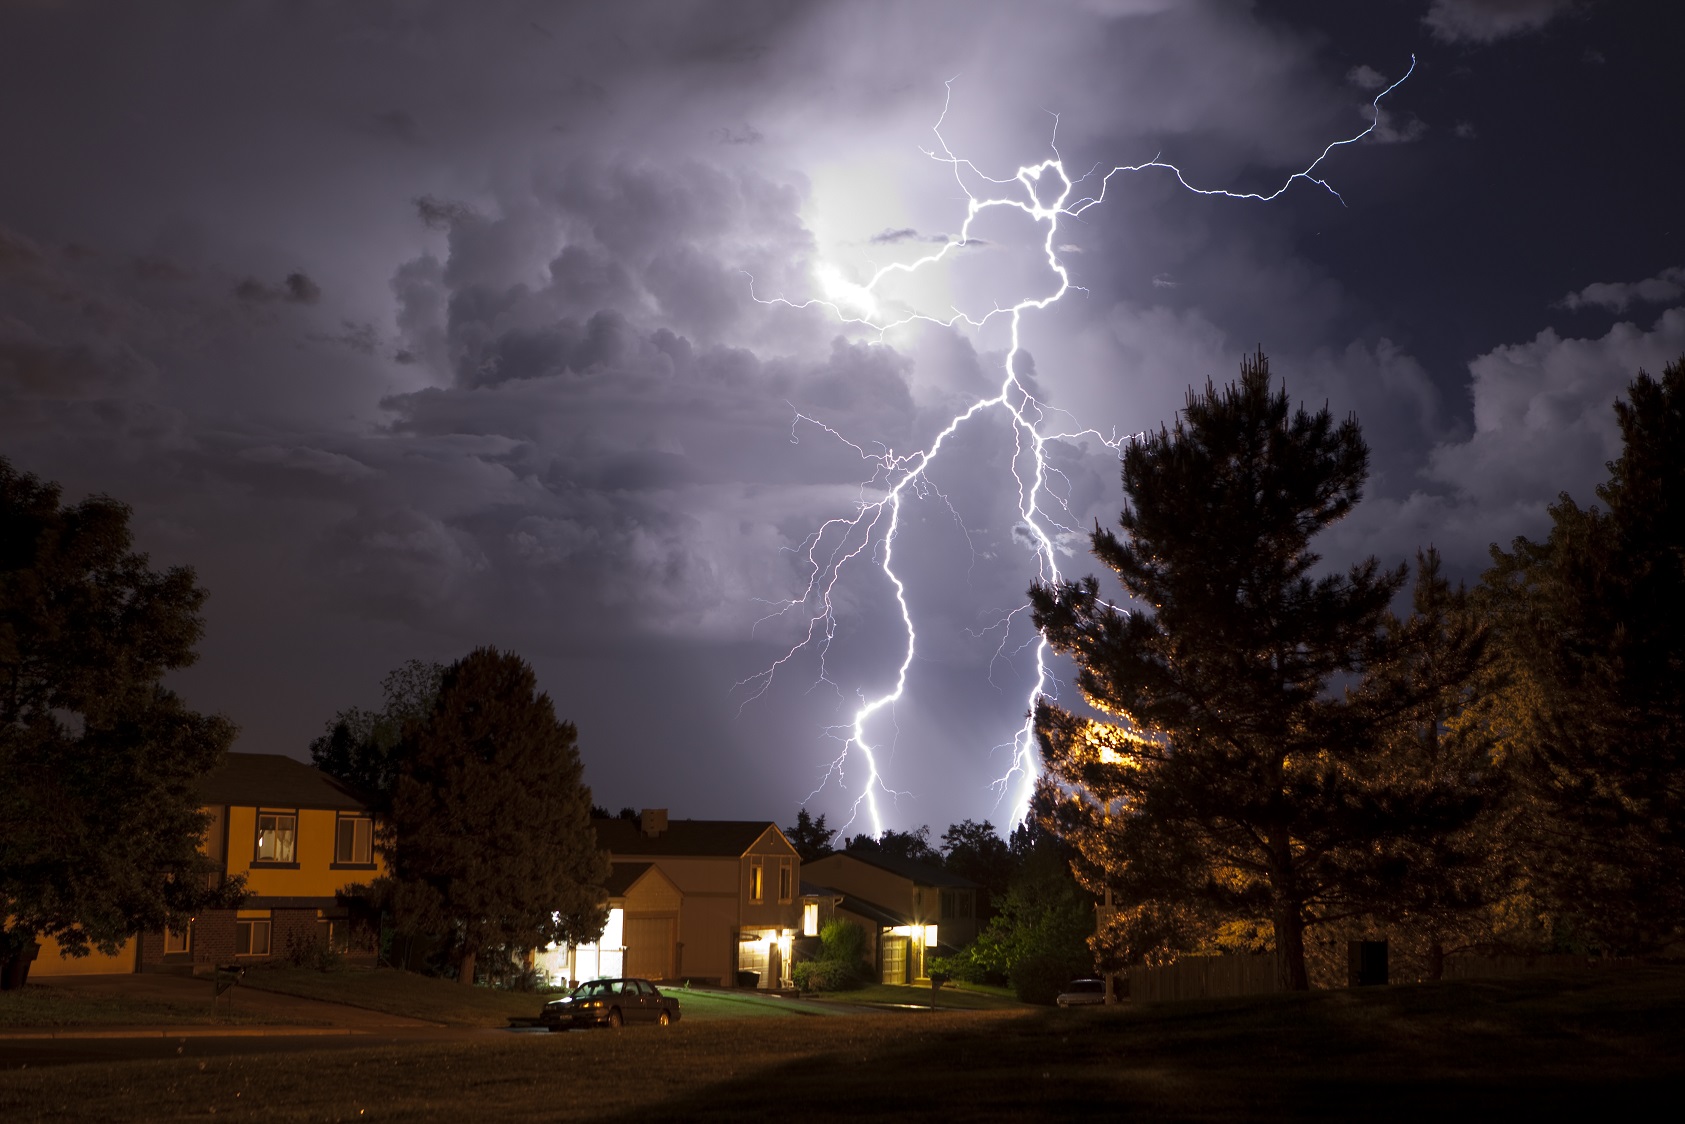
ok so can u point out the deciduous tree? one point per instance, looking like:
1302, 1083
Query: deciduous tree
99, 813
360, 746
489, 839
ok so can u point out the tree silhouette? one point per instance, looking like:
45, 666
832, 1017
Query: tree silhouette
99, 813
1235, 783
1592, 624
490, 840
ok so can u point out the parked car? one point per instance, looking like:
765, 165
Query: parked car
610, 1003
1082, 993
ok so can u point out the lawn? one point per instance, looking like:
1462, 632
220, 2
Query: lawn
400, 993
38, 1006
1601, 1045
951, 997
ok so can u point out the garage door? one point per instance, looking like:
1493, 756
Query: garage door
649, 946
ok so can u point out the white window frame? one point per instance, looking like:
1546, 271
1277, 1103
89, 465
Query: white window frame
362, 840
288, 834
247, 931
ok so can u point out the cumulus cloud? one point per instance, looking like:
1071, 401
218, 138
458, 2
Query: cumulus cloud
1543, 417
1618, 296
1486, 21
1366, 77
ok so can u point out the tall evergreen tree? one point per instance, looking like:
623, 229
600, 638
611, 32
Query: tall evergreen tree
810, 837
99, 814
1236, 782
489, 840
1592, 622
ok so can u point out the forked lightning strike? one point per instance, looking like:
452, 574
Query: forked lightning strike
871, 530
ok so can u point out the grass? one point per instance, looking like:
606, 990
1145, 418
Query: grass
962, 997
40, 1007
712, 1005
400, 993
1602, 1045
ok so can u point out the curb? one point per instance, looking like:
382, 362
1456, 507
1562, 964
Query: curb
183, 1032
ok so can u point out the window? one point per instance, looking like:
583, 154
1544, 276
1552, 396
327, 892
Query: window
277, 836
179, 941
947, 905
757, 890
786, 880
962, 903
354, 841
251, 938
810, 919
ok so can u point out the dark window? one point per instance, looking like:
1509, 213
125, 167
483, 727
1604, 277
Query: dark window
251, 938
354, 845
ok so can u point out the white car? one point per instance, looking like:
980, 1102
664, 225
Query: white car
1082, 993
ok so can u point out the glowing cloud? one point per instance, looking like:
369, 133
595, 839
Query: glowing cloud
1043, 192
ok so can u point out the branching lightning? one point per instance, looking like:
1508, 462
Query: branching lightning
869, 534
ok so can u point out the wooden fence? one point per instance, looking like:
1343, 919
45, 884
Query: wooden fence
1204, 977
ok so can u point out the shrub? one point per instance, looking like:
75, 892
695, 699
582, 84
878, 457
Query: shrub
826, 975
842, 941
311, 951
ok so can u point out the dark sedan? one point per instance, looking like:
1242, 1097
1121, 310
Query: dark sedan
610, 1003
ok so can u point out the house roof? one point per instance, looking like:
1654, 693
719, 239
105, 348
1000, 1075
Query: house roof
624, 876
871, 911
700, 838
277, 781
920, 874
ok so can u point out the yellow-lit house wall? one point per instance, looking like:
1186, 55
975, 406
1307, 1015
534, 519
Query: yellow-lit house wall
51, 961
313, 872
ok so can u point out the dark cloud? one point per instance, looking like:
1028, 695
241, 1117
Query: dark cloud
582, 408
1484, 21
295, 288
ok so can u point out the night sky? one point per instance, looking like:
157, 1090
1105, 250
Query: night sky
419, 326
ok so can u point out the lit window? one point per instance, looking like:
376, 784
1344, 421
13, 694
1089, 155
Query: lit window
276, 835
786, 880
251, 938
810, 919
757, 891
355, 843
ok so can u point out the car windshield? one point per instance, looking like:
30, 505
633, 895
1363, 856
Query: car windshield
1086, 986
593, 989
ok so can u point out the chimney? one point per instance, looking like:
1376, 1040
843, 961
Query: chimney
654, 821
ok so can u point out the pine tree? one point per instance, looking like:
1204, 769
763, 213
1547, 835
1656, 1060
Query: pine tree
490, 840
1592, 623
1236, 783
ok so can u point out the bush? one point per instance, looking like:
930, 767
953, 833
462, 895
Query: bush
842, 941
1040, 977
826, 975
311, 951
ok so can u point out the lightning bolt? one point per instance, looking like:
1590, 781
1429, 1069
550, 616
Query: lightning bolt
870, 532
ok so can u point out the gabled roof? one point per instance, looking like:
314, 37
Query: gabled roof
695, 838
624, 876
920, 874
275, 780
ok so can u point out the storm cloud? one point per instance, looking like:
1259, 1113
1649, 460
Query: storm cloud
497, 327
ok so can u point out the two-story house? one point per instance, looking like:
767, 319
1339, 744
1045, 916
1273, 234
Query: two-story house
737, 908
298, 835
908, 909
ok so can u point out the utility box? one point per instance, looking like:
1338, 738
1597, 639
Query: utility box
1366, 963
